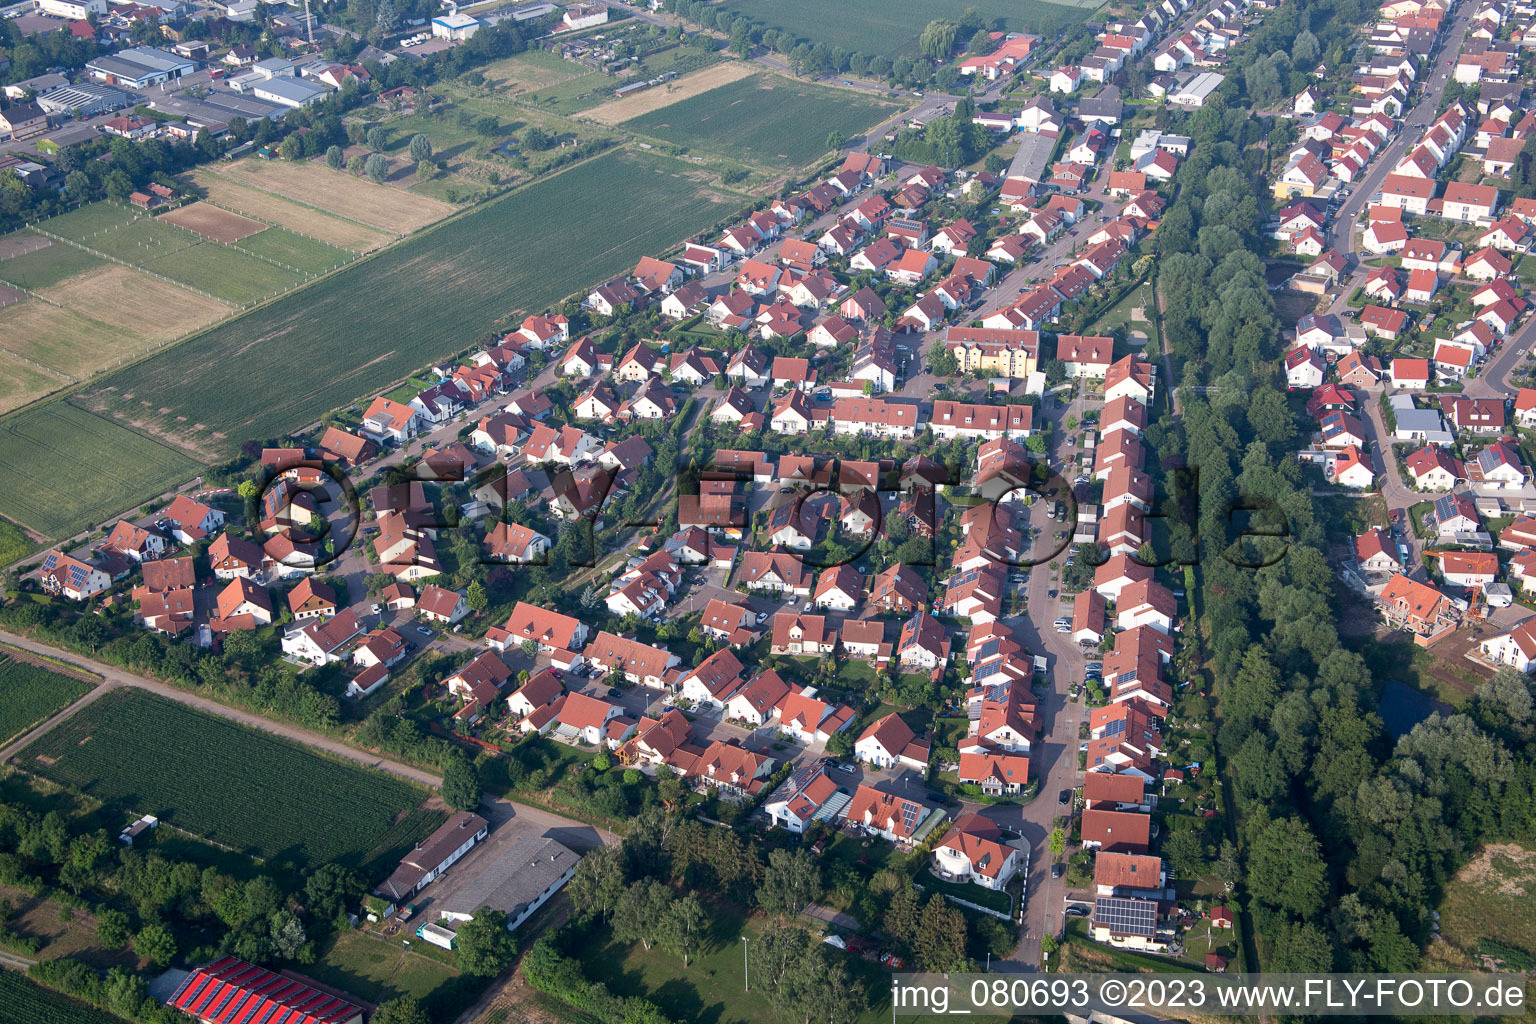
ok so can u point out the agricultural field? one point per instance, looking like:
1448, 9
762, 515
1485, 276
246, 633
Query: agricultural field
99, 319
137, 308
27, 1002
280, 212
668, 93
357, 199
231, 785
879, 27
532, 70
29, 694
65, 469
765, 119
21, 383
367, 326
14, 542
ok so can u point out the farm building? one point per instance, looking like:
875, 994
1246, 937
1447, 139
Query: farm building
517, 882
229, 990
441, 850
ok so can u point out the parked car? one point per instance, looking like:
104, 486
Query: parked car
423, 630
614, 691
1065, 797
1058, 869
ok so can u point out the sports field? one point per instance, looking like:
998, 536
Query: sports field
274, 209
765, 119
338, 192
366, 326
65, 469
891, 27
28, 695
229, 784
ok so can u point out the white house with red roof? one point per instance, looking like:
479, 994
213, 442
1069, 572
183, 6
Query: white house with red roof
889, 742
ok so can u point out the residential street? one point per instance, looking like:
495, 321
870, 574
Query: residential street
1341, 232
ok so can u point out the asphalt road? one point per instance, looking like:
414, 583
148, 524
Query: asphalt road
1341, 233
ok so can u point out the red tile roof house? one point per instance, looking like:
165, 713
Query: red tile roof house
889, 816
889, 742
804, 795
1116, 831
547, 630
190, 521
439, 604
74, 579
974, 850
809, 720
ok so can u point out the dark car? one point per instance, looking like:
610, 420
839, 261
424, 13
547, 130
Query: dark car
1058, 869
614, 691
1078, 910
1065, 797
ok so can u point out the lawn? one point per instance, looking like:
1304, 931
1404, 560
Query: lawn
711, 988
234, 786
29, 694
26, 1002
979, 895
881, 27
379, 320
378, 970
65, 469
764, 119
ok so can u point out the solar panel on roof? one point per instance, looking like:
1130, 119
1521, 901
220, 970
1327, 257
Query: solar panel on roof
1126, 916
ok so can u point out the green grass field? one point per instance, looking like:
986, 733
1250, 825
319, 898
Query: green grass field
65, 469
766, 119
26, 1002
235, 786
379, 970
368, 325
881, 27
226, 273
711, 988
298, 251
43, 268
117, 232
29, 694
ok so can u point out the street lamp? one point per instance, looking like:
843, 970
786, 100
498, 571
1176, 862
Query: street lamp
746, 980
